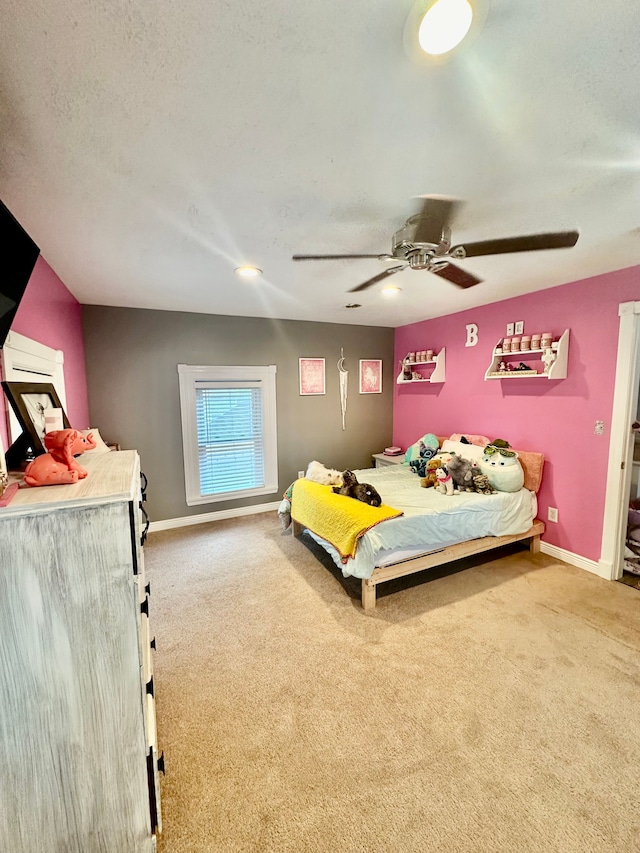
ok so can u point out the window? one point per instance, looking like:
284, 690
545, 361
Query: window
228, 432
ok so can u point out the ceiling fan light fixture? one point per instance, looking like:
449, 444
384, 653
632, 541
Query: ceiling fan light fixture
391, 290
248, 271
444, 25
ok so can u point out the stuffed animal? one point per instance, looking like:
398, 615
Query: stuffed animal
481, 483
468, 477
419, 465
445, 483
502, 467
429, 478
360, 491
461, 471
58, 465
318, 473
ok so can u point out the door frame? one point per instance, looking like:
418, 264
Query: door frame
625, 406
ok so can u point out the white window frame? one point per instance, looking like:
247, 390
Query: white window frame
189, 376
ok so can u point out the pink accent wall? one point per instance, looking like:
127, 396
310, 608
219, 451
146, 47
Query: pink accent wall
49, 314
555, 417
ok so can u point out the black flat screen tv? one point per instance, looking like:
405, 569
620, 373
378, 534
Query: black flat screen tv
20, 256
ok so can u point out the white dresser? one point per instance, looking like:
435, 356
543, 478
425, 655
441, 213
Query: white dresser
78, 751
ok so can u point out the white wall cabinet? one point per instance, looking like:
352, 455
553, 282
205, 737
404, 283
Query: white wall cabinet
78, 750
558, 369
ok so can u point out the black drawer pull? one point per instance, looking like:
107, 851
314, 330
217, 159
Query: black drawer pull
152, 644
143, 485
144, 607
149, 686
143, 538
161, 763
147, 588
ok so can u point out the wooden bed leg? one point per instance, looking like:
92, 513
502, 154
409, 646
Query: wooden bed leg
368, 595
534, 545
296, 527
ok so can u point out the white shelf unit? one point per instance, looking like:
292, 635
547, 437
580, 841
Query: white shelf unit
558, 369
436, 375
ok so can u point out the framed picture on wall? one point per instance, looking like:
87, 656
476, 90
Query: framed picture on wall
32, 403
311, 376
371, 376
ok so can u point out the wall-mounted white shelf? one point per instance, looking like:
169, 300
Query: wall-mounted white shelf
557, 370
432, 371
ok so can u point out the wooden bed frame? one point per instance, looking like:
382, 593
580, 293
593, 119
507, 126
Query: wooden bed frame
438, 558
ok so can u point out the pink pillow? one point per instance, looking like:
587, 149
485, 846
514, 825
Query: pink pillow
479, 440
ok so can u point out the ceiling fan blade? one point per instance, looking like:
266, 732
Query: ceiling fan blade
436, 215
376, 278
525, 243
456, 275
334, 257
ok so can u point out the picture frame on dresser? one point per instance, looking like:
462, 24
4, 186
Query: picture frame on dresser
29, 401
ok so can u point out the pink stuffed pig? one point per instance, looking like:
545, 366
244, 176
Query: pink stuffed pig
58, 465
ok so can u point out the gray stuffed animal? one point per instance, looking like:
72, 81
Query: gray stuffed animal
468, 477
461, 471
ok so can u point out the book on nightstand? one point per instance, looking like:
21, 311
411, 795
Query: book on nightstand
393, 451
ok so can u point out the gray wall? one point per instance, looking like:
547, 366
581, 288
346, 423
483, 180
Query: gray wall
132, 357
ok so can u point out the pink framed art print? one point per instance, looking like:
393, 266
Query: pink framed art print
371, 376
311, 376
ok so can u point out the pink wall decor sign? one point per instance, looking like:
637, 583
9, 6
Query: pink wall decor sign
370, 376
311, 376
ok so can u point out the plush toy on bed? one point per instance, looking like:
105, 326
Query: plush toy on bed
445, 482
430, 478
318, 473
501, 466
468, 477
360, 491
461, 471
419, 465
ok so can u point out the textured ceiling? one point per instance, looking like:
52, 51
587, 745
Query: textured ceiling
150, 147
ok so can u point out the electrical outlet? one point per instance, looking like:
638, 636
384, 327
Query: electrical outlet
509, 329
552, 513
599, 428
300, 474
519, 327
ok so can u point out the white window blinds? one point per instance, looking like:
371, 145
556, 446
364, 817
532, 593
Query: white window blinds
228, 431
230, 437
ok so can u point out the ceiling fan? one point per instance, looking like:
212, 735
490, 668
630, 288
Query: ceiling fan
424, 243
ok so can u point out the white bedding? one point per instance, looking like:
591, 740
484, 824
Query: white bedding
431, 521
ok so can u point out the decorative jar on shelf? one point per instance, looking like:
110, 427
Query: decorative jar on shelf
525, 342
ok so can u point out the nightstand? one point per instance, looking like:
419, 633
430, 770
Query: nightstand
380, 460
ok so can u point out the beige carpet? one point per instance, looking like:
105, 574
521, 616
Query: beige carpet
491, 709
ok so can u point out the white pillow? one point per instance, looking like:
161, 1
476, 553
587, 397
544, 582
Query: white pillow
100, 447
468, 451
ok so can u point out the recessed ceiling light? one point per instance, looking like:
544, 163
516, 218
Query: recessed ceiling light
247, 271
353, 305
435, 27
390, 290
444, 26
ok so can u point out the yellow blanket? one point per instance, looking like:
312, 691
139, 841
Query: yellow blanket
338, 519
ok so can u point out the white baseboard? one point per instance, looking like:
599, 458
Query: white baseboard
574, 560
203, 518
